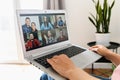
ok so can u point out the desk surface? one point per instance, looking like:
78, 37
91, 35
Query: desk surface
19, 72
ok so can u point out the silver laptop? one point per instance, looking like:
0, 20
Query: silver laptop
43, 34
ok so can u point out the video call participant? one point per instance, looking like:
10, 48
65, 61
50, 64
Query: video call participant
46, 25
26, 28
61, 37
50, 37
32, 43
44, 39
60, 22
34, 30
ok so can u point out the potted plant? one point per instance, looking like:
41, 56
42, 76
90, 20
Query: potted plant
101, 21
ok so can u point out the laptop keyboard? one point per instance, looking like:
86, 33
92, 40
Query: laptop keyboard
70, 51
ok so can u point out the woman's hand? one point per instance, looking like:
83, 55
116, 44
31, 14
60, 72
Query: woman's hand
65, 67
62, 64
103, 51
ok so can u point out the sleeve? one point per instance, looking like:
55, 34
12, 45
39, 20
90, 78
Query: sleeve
50, 25
37, 42
42, 27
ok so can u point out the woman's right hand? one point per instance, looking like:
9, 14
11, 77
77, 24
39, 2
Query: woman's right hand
63, 65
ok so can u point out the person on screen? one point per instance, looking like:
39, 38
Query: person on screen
32, 43
60, 22
44, 39
46, 25
63, 65
26, 28
50, 37
62, 37
34, 30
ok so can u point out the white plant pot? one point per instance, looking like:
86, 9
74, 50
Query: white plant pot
103, 39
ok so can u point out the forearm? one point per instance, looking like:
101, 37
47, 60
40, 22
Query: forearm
79, 74
114, 58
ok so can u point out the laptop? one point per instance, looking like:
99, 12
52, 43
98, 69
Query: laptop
44, 34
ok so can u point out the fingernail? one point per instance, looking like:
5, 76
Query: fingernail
47, 59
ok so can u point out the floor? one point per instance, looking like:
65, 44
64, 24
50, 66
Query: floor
100, 72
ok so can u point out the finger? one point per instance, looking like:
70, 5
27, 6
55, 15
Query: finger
90, 48
62, 56
51, 62
94, 49
96, 46
57, 60
54, 57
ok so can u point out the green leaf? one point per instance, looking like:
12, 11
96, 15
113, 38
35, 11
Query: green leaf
93, 16
100, 13
105, 10
112, 4
109, 15
101, 20
93, 1
97, 7
92, 21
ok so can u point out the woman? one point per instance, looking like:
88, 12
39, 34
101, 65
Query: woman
50, 37
32, 43
46, 25
44, 39
34, 30
66, 68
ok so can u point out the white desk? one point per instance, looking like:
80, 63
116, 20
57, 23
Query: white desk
19, 72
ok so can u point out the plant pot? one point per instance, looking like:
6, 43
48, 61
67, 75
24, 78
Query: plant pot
103, 39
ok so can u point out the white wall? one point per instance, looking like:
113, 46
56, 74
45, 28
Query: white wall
81, 29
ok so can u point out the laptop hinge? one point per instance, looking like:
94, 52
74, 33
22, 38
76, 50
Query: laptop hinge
51, 51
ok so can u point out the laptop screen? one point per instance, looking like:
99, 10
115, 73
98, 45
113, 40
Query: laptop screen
43, 29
